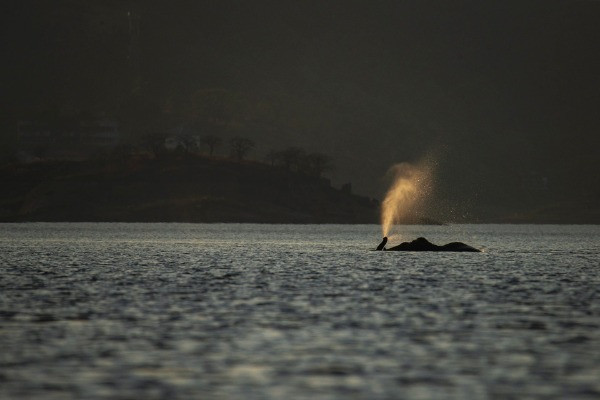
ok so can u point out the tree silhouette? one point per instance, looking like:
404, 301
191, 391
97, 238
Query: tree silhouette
317, 163
292, 158
212, 142
272, 157
240, 147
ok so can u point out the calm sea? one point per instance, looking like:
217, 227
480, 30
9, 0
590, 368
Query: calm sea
227, 311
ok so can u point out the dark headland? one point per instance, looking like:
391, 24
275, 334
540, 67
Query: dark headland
176, 189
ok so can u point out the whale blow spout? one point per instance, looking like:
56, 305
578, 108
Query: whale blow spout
382, 244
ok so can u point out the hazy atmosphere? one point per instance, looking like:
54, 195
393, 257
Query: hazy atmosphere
501, 96
268, 200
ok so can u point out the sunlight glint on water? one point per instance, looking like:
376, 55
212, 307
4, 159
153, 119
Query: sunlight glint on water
280, 311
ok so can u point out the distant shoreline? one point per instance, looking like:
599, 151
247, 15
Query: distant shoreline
209, 190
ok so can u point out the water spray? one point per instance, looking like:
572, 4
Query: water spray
411, 183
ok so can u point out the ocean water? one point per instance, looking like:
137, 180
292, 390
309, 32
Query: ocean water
227, 311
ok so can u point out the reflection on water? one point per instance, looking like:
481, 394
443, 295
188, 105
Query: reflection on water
263, 311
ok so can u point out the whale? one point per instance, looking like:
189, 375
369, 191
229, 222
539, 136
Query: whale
422, 244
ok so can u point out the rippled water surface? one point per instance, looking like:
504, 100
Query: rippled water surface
104, 311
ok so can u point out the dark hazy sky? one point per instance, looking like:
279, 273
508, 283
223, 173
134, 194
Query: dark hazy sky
505, 93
